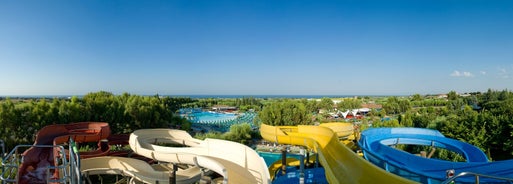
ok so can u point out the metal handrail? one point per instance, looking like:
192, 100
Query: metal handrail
477, 176
74, 157
12, 160
2, 144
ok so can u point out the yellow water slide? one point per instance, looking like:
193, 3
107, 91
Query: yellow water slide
341, 164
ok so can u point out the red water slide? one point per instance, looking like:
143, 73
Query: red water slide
36, 160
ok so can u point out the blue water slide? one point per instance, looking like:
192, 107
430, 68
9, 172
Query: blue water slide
377, 146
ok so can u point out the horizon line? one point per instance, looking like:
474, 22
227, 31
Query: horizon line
226, 95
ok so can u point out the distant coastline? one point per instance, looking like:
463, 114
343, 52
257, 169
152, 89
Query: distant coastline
273, 96
210, 96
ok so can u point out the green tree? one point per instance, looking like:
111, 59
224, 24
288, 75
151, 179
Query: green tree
8, 122
326, 103
124, 113
387, 123
404, 106
240, 133
407, 120
147, 112
420, 121
311, 105
349, 103
287, 112
452, 95
174, 104
417, 97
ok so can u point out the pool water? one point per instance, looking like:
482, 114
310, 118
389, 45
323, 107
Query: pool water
214, 116
311, 175
210, 117
270, 158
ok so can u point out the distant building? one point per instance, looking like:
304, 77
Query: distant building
354, 113
224, 108
442, 96
465, 95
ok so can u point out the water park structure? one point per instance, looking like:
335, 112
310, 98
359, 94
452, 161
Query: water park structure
378, 144
235, 162
341, 164
46, 160
174, 156
181, 158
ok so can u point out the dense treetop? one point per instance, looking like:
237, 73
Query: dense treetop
482, 119
20, 120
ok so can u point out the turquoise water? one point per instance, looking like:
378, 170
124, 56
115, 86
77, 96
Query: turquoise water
221, 122
311, 175
270, 158
213, 116
209, 117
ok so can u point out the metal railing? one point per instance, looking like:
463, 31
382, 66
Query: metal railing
12, 161
70, 169
477, 177
74, 160
2, 144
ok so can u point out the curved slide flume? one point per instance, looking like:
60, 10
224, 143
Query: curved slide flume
376, 144
236, 162
138, 169
341, 164
36, 160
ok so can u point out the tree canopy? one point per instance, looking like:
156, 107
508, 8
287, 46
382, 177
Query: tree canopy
287, 112
481, 119
20, 120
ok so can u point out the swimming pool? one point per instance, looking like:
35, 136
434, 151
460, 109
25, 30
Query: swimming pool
270, 158
214, 121
209, 117
311, 175
213, 116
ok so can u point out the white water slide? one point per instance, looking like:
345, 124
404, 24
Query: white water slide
138, 170
235, 162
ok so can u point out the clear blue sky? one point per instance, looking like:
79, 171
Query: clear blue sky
255, 47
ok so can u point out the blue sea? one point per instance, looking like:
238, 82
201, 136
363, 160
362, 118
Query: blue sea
210, 96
